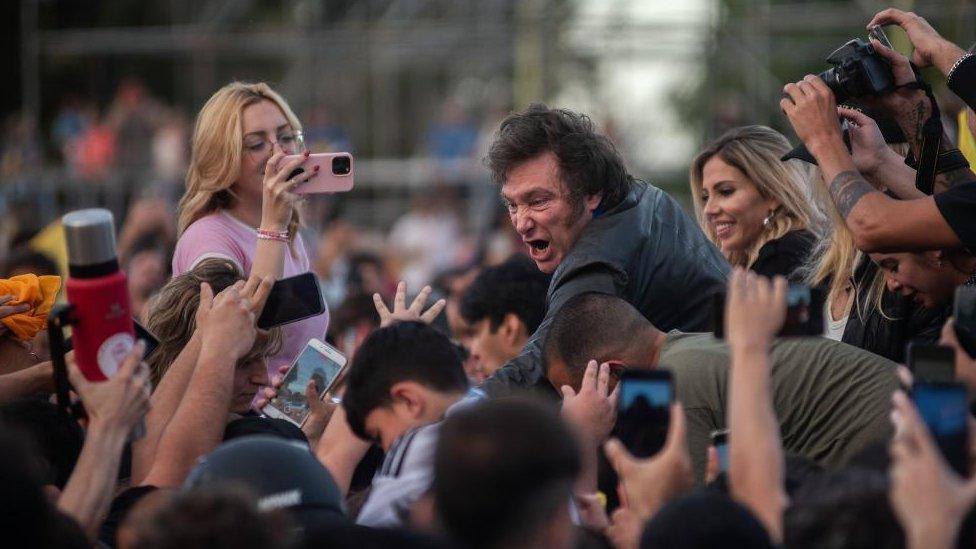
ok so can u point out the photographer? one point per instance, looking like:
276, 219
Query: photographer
880, 223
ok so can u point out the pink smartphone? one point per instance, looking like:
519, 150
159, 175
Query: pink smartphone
334, 176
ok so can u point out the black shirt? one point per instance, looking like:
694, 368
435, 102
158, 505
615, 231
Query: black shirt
121, 505
958, 206
785, 255
962, 81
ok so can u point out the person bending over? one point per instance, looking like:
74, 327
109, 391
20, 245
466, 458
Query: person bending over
403, 381
587, 221
831, 399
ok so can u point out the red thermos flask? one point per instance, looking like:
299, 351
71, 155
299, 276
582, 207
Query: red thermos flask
102, 328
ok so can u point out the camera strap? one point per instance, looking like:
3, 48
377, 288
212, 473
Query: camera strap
928, 162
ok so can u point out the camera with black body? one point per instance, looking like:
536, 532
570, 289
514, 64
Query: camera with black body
858, 71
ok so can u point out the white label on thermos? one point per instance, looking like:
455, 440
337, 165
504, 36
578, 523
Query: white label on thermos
113, 351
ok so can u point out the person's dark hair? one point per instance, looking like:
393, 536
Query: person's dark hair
846, 509
501, 469
27, 518
404, 351
515, 286
56, 440
592, 326
704, 519
588, 161
356, 308
29, 260
215, 517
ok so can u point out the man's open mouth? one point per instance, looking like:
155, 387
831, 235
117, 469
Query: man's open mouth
539, 245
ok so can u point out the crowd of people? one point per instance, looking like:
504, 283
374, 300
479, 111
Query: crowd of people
479, 404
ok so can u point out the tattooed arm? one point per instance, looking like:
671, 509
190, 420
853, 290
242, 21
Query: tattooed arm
911, 109
877, 222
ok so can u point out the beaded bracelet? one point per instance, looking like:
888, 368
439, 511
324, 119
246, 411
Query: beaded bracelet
265, 234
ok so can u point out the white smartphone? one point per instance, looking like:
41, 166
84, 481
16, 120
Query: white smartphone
319, 361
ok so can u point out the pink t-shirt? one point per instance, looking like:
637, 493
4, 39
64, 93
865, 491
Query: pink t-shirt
220, 235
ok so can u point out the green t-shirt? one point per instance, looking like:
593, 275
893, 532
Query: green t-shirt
832, 399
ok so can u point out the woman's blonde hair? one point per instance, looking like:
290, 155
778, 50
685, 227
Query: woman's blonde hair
835, 258
218, 147
172, 315
756, 151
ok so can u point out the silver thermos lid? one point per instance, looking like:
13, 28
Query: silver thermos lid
90, 236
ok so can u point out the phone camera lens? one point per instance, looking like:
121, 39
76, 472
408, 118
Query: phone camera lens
341, 165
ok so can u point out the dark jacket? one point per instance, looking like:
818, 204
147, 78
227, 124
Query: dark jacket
906, 320
785, 255
645, 250
963, 81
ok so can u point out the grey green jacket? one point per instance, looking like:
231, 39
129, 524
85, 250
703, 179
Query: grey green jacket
646, 250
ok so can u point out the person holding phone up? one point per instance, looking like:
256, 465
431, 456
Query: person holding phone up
240, 202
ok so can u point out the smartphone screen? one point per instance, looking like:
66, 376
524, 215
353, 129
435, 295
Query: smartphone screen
720, 440
644, 410
964, 318
944, 407
804, 312
318, 361
932, 363
292, 299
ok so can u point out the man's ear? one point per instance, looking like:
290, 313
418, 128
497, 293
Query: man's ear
592, 201
408, 397
512, 330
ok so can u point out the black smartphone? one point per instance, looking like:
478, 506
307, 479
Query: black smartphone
945, 408
142, 333
644, 410
720, 440
932, 363
964, 318
292, 299
804, 312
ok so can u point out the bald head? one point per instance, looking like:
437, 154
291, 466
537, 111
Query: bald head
600, 327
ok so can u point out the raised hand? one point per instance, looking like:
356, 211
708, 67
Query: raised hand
647, 484
754, 310
402, 313
812, 110
121, 401
930, 47
279, 197
229, 327
868, 146
928, 498
592, 411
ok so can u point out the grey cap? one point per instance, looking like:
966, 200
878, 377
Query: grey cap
90, 236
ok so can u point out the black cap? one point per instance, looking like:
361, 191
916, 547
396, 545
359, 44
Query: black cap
253, 425
889, 129
283, 474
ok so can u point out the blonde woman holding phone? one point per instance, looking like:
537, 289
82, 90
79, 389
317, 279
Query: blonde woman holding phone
240, 203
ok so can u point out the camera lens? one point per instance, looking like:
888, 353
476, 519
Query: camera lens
341, 165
